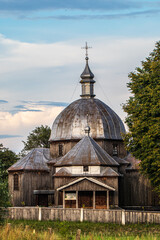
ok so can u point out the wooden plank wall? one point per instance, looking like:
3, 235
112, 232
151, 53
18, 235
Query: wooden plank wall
96, 215
29, 181
136, 190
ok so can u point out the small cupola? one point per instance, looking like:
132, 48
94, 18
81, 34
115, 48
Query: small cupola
87, 80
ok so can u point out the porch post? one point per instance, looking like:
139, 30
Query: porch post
94, 199
107, 199
56, 197
63, 199
76, 199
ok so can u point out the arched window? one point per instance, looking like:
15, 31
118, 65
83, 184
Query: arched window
16, 182
60, 150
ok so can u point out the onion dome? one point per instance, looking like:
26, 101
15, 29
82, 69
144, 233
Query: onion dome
103, 121
87, 74
87, 111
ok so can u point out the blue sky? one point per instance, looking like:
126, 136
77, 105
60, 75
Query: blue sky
41, 57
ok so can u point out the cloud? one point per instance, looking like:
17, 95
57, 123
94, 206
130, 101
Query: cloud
20, 106
101, 16
45, 103
9, 136
45, 76
33, 106
3, 101
79, 9
30, 106
26, 5
19, 125
23, 108
21, 55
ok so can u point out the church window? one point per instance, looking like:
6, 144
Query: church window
60, 150
16, 182
85, 168
83, 89
115, 150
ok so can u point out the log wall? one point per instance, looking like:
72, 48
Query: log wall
28, 181
96, 215
107, 145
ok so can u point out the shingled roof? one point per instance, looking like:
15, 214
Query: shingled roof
86, 153
63, 172
121, 161
35, 160
109, 172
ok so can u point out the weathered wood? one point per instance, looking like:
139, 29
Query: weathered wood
92, 215
135, 190
105, 144
76, 199
63, 199
94, 200
85, 185
39, 214
29, 181
107, 199
78, 235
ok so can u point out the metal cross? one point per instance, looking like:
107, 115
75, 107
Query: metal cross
86, 47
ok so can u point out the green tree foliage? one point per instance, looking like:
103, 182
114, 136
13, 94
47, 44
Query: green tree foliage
7, 158
143, 120
38, 138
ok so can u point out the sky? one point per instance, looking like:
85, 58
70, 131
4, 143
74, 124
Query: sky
41, 56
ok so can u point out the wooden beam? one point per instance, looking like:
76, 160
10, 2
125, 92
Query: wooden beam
94, 199
63, 199
107, 199
76, 199
57, 198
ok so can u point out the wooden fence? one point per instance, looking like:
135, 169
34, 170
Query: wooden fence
91, 215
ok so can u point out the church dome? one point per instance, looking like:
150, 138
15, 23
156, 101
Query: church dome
104, 123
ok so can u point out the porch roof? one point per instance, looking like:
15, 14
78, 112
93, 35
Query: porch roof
48, 192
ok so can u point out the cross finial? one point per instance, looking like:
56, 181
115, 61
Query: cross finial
86, 48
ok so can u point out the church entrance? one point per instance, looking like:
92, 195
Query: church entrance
42, 200
85, 199
86, 193
44, 197
101, 199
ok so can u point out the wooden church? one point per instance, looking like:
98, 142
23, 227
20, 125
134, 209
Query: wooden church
86, 165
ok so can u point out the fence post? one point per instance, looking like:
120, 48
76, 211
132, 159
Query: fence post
78, 235
39, 214
123, 217
81, 215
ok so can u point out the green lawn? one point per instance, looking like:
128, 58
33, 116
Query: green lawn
67, 230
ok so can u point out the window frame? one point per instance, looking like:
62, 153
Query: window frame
115, 149
60, 150
16, 182
85, 169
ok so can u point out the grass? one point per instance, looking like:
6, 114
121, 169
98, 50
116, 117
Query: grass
48, 230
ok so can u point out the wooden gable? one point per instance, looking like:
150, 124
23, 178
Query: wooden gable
86, 184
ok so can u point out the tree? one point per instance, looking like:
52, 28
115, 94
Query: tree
37, 138
143, 118
7, 158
